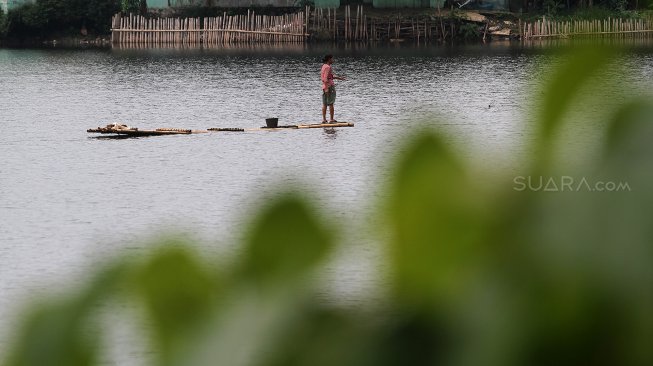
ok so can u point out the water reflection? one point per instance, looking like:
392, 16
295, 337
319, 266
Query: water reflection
404, 49
634, 41
258, 47
114, 137
330, 133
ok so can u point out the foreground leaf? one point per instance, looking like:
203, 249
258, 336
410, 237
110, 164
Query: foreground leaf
286, 240
178, 294
436, 220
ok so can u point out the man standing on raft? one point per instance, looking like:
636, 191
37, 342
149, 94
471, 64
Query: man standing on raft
328, 88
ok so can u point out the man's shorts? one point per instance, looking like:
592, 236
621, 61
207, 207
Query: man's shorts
328, 98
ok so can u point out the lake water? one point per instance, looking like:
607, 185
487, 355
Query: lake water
68, 200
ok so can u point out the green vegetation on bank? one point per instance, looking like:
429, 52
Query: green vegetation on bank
597, 12
3, 25
133, 6
480, 267
46, 18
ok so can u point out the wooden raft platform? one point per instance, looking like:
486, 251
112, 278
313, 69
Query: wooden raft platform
287, 127
124, 130
134, 131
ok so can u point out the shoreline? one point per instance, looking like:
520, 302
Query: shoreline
476, 25
444, 27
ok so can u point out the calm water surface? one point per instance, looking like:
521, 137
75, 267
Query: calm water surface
68, 199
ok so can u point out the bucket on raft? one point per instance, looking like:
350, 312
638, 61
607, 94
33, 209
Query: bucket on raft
271, 122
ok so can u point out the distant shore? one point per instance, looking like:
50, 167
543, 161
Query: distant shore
433, 25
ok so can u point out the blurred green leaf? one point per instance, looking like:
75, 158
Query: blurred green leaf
587, 293
178, 294
572, 325
628, 135
413, 339
54, 335
622, 215
625, 263
248, 326
436, 217
286, 240
562, 89
59, 332
321, 336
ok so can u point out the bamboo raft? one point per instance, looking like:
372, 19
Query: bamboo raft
124, 130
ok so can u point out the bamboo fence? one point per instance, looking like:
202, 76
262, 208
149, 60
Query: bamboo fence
343, 24
545, 28
138, 30
348, 23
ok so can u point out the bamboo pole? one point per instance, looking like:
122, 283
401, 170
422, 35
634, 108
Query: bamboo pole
347, 23
335, 24
113, 26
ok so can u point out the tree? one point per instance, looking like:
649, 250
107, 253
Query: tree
134, 6
4, 23
51, 17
